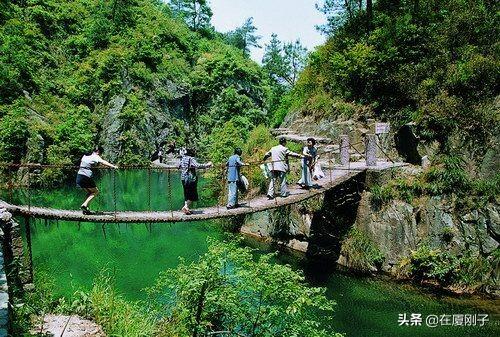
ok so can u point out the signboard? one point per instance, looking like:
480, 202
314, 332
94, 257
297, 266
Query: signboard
381, 128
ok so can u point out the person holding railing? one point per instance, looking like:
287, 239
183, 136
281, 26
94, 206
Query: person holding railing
84, 178
233, 164
310, 154
188, 166
279, 167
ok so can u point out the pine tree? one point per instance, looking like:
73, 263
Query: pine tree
196, 13
244, 37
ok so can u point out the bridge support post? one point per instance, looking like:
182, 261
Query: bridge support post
371, 150
344, 150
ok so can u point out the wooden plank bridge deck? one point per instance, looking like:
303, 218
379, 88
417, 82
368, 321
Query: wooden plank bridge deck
337, 176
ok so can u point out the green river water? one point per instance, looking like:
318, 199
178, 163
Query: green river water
73, 254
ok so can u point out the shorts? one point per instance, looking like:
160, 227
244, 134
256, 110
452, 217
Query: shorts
190, 190
84, 181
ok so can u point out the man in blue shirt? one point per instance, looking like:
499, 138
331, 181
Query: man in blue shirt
233, 176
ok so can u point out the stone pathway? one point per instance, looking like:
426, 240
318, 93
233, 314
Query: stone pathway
68, 326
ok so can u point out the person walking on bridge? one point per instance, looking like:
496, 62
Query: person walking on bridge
234, 165
279, 167
310, 155
84, 178
188, 166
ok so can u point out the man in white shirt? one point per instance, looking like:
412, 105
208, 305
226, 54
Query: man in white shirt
279, 167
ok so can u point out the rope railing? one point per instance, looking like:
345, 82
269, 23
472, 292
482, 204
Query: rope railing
220, 174
383, 151
130, 167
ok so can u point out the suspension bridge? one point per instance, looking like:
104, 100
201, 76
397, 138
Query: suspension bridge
334, 175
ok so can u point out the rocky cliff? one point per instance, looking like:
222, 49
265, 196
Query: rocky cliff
346, 226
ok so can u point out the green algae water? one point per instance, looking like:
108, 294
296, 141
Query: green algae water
74, 253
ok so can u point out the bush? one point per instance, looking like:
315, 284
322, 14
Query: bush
14, 133
229, 289
259, 142
117, 316
447, 268
360, 251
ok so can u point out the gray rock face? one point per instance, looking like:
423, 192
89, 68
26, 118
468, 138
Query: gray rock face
163, 103
393, 229
398, 228
112, 128
493, 222
435, 223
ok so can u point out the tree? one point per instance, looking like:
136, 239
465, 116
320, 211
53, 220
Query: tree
272, 60
295, 56
196, 13
337, 12
244, 37
284, 61
228, 290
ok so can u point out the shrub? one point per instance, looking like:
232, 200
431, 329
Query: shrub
117, 316
448, 268
360, 251
229, 289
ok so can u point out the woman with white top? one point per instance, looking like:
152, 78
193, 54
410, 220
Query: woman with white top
84, 177
308, 162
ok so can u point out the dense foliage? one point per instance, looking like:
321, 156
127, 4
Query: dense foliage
129, 75
432, 62
228, 289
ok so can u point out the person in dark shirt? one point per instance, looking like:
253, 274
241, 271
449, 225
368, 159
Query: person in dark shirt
188, 166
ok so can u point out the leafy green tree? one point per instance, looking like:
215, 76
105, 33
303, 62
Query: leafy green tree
229, 290
273, 61
284, 61
196, 13
339, 12
244, 37
295, 56
14, 133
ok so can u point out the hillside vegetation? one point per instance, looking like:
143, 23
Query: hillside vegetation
432, 63
129, 75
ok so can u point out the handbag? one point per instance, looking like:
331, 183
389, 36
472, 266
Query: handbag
191, 174
242, 183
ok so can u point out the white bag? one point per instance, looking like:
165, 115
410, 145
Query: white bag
265, 170
318, 173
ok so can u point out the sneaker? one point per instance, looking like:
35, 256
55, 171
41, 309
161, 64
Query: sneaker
85, 210
270, 197
230, 207
186, 211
